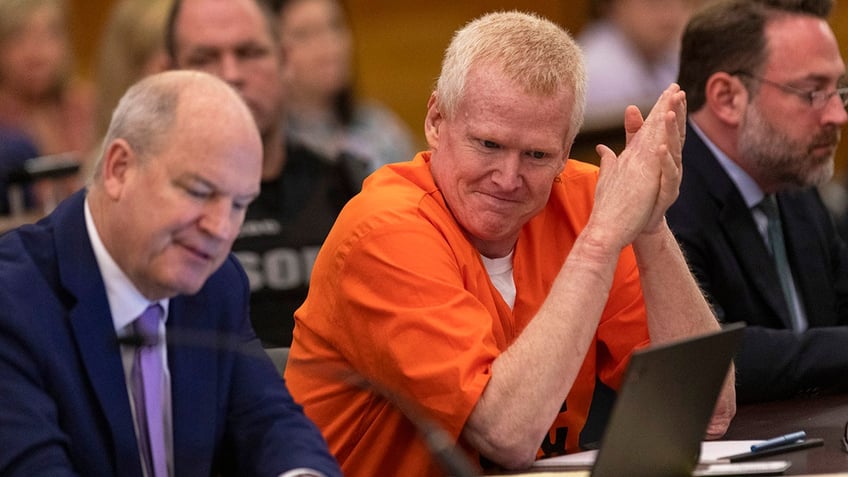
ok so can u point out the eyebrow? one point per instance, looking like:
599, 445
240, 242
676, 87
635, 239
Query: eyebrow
248, 197
819, 78
191, 176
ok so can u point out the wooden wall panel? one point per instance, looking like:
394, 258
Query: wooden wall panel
87, 18
400, 42
839, 23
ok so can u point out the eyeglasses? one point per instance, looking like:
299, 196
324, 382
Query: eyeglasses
817, 99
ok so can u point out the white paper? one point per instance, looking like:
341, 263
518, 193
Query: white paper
711, 452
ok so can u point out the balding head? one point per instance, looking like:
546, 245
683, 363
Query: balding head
181, 161
146, 115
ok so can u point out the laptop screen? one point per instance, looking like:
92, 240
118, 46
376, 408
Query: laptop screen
664, 406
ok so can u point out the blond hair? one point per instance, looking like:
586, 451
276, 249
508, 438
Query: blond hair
134, 34
14, 13
534, 52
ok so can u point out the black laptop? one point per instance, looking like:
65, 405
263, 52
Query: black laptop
661, 414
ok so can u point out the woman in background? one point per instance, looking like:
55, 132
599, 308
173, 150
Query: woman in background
132, 46
324, 113
40, 100
631, 53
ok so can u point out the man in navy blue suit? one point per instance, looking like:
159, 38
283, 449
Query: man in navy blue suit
181, 162
764, 83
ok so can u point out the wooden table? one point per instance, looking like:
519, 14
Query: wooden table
820, 416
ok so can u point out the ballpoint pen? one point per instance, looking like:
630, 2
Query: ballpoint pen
792, 446
779, 441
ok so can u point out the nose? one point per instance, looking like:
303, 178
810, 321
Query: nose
230, 70
507, 172
835, 112
218, 219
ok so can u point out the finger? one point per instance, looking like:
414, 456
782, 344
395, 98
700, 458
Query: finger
633, 121
659, 103
654, 122
605, 153
677, 104
674, 141
681, 111
667, 99
672, 174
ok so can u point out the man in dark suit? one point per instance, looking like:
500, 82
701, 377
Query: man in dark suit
762, 80
180, 164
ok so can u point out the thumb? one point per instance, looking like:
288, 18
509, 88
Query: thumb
605, 153
632, 122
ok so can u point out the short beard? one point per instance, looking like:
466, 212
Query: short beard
779, 160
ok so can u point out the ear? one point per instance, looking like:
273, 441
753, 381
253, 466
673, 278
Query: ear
727, 97
432, 122
118, 161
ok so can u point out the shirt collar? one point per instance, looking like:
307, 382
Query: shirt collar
751, 192
126, 303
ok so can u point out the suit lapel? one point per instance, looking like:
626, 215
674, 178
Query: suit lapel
92, 328
738, 226
195, 389
754, 258
805, 251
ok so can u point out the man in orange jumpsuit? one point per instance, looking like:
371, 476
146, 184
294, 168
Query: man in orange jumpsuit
490, 282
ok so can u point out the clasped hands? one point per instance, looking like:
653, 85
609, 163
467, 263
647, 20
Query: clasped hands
636, 187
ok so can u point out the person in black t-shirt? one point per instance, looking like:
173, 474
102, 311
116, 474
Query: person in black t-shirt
302, 193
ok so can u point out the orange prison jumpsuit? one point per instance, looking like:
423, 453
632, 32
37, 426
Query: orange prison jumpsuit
400, 306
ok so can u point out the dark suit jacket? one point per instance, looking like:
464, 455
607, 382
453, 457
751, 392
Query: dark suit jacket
64, 406
733, 266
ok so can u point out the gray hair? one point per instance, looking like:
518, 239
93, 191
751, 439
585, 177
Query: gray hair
146, 115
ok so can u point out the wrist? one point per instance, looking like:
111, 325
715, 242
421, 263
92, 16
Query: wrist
597, 244
653, 241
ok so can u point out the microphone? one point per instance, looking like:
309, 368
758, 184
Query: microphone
450, 458
194, 338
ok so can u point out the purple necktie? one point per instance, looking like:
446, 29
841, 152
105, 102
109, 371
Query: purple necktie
147, 386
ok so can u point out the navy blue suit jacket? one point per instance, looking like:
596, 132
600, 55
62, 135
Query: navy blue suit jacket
729, 258
64, 406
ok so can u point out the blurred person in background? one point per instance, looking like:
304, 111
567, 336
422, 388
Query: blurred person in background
631, 53
132, 46
15, 149
324, 112
40, 98
302, 193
